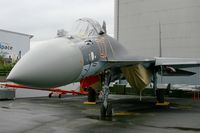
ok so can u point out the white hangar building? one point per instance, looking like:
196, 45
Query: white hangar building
13, 46
166, 28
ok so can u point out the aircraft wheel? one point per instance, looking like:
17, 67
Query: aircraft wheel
103, 111
109, 110
60, 96
106, 112
160, 94
50, 95
91, 95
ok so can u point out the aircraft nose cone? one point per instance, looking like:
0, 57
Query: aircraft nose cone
54, 63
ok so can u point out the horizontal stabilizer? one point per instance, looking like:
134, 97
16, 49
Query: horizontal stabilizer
176, 72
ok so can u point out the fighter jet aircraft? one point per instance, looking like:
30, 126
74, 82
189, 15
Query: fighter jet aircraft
89, 55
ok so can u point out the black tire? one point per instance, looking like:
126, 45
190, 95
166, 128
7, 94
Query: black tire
60, 95
91, 95
160, 94
103, 111
50, 95
109, 110
106, 112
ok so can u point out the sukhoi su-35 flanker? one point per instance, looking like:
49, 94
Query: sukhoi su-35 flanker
89, 55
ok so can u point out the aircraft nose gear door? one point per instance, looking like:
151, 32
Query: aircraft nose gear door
106, 108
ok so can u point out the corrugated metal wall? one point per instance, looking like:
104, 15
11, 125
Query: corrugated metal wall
172, 27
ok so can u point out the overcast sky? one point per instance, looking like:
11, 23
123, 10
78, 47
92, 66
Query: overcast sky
42, 18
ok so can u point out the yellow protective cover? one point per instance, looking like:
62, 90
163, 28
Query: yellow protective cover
137, 76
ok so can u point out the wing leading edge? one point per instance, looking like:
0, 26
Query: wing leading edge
157, 61
182, 62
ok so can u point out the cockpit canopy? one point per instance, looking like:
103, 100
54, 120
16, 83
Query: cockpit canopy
86, 27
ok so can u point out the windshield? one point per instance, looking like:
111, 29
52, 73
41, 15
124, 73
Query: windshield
86, 27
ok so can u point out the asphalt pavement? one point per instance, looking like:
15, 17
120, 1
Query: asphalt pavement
70, 115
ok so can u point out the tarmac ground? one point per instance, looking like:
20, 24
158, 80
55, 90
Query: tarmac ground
70, 115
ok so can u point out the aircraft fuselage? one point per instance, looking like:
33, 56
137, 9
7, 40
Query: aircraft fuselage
64, 60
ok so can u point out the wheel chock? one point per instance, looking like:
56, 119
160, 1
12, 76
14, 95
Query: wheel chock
163, 104
122, 113
89, 103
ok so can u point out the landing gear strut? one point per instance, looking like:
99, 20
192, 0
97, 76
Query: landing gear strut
106, 108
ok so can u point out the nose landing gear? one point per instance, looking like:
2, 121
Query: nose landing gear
106, 107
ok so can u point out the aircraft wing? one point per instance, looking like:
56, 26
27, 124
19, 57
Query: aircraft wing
138, 71
129, 61
180, 62
157, 61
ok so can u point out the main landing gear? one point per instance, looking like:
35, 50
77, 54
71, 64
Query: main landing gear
160, 93
106, 108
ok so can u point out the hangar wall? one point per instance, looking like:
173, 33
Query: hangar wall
167, 28
137, 26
